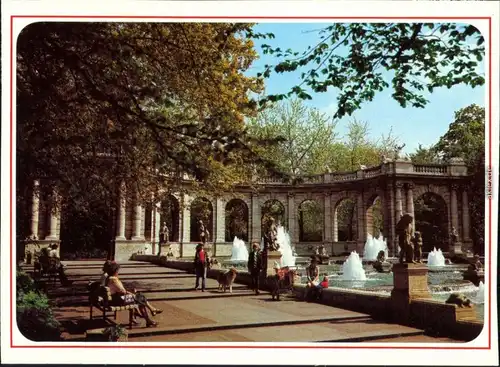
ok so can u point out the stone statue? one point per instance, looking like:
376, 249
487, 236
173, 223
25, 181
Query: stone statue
270, 238
164, 233
203, 233
316, 252
323, 251
404, 232
380, 264
453, 236
417, 246
459, 299
397, 150
381, 256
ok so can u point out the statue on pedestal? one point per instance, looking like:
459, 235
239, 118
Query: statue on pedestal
203, 233
270, 238
417, 245
404, 233
164, 233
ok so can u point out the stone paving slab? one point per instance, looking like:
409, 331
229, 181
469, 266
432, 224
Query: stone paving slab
212, 316
343, 331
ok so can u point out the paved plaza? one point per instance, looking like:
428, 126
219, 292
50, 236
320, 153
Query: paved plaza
212, 316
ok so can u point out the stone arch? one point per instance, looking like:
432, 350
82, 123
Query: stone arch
236, 220
201, 209
431, 219
345, 218
374, 215
170, 214
310, 221
272, 208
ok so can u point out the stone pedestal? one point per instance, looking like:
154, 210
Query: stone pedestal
456, 249
410, 282
271, 258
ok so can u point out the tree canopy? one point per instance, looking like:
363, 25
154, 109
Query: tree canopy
362, 59
140, 103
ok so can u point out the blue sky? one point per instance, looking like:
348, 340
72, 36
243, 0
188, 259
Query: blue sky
411, 125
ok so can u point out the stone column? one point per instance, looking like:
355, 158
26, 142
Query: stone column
291, 217
137, 235
35, 210
121, 216
327, 214
361, 222
389, 215
54, 218
335, 224
255, 218
465, 215
155, 225
186, 219
220, 221
409, 203
156, 222
454, 209
399, 202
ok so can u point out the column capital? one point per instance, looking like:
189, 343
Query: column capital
410, 185
399, 185
291, 195
327, 194
455, 186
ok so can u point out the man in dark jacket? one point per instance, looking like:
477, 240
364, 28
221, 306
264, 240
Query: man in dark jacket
201, 265
255, 266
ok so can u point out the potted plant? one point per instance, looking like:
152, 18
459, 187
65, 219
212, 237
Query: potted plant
115, 333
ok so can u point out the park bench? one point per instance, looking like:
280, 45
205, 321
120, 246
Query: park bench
100, 298
47, 267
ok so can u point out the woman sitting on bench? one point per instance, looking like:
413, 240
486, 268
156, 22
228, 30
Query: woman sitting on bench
117, 290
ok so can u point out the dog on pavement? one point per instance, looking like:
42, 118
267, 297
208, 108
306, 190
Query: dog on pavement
226, 280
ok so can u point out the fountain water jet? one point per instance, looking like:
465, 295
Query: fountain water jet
373, 246
352, 269
435, 258
239, 252
480, 294
283, 239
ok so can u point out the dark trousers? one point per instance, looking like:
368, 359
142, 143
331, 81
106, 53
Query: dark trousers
201, 272
255, 274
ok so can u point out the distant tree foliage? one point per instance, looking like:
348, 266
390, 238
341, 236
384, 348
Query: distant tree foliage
311, 222
431, 219
236, 220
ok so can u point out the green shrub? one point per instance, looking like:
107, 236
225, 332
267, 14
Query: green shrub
34, 315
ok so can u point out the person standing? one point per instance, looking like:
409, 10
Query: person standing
255, 266
201, 264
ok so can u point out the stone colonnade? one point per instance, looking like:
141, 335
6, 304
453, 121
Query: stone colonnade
138, 225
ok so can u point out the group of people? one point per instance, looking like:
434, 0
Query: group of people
49, 261
202, 264
110, 279
314, 285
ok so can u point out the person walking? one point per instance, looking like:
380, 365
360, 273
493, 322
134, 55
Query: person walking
255, 266
201, 264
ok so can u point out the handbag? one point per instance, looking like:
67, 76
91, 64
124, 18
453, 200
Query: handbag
128, 299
